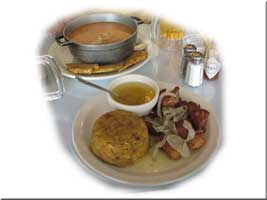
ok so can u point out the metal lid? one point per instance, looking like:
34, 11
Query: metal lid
196, 57
189, 48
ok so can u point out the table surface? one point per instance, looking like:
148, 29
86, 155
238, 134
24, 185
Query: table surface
163, 67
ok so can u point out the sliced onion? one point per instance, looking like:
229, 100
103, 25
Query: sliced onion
191, 132
165, 123
180, 113
164, 94
157, 125
185, 151
160, 144
175, 141
173, 127
162, 129
179, 144
174, 114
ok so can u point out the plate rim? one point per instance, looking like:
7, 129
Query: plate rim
194, 171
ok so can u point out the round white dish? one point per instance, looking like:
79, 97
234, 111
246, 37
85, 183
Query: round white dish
145, 172
141, 110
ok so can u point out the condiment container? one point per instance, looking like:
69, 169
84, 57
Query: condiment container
194, 70
166, 35
213, 64
51, 79
197, 40
187, 50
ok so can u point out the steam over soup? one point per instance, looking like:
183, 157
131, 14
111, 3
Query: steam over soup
100, 33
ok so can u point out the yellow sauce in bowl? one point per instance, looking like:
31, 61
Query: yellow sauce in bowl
133, 93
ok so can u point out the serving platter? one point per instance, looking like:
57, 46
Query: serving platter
146, 172
62, 56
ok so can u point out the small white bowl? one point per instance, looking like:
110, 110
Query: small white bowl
142, 109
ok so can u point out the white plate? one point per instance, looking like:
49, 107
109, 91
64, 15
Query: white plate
145, 171
62, 55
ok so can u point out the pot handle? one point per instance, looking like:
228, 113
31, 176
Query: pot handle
62, 42
138, 20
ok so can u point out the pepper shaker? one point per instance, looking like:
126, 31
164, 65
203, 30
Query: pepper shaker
194, 70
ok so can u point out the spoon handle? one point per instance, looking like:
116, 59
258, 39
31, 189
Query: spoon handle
94, 85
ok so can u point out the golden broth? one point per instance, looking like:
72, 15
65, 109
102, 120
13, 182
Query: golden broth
134, 93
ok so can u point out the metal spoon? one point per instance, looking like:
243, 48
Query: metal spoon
97, 86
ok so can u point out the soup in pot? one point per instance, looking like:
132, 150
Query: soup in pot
100, 33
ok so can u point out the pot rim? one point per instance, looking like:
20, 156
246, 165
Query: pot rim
100, 46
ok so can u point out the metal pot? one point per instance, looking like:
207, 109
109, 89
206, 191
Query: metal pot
105, 53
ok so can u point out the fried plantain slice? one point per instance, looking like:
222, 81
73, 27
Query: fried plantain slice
89, 69
108, 68
82, 68
135, 58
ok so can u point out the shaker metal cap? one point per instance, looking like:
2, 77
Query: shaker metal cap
196, 57
189, 48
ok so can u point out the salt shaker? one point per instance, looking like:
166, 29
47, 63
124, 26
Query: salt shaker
194, 70
188, 49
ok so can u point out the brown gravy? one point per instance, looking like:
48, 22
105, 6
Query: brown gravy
100, 33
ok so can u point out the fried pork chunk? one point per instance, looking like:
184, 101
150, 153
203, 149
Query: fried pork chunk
170, 100
199, 119
172, 153
197, 116
197, 142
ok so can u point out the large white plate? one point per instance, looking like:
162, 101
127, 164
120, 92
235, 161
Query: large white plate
145, 171
62, 56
